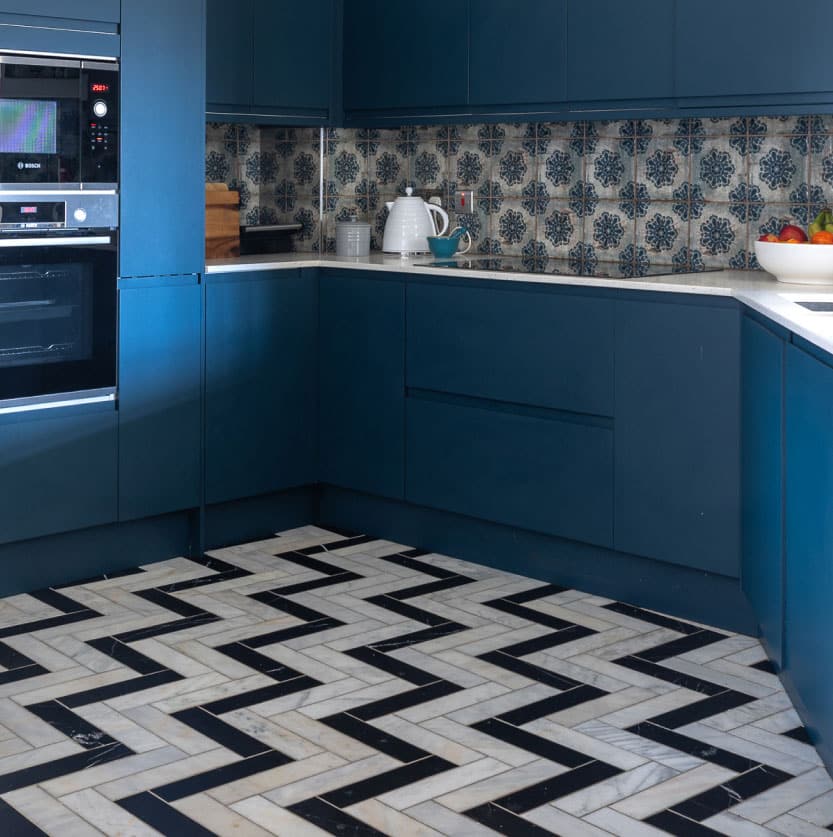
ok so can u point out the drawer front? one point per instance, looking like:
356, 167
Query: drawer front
525, 347
536, 473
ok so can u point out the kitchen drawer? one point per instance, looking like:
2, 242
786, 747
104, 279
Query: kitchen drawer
522, 346
536, 473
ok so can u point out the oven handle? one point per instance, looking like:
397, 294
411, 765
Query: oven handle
56, 242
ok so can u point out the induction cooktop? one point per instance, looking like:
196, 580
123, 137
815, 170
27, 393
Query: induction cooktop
562, 267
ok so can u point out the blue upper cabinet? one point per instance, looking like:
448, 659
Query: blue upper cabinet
762, 573
273, 61
160, 375
86, 27
620, 51
808, 625
517, 54
405, 59
162, 138
677, 433
260, 383
726, 50
105, 10
362, 382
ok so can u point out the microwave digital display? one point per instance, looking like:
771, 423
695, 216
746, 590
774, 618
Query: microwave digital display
28, 126
100, 88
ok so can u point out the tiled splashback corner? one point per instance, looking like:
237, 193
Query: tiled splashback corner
691, 193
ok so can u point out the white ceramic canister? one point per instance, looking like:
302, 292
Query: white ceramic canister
352, 238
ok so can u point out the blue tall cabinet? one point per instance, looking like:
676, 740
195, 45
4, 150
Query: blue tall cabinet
162, 257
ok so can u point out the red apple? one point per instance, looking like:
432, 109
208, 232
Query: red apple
791, 231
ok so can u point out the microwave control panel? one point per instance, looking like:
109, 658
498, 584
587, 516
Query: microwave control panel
100, 121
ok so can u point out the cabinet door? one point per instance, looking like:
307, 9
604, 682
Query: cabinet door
260, 383
620, 50
749, 53
292, 44
762, 573
104, 10
518, 54
57, 471
677, 429
520, 470
405, 56
228, 71
163, 138
362, 392
160, 351
808, 632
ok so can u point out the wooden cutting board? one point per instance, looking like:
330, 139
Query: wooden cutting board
222, 221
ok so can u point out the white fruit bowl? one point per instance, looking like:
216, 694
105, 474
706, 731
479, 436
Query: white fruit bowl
802, 264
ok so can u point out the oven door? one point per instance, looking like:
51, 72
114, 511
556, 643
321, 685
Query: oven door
57, 319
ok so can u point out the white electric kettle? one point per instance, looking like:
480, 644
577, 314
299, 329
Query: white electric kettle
409, 224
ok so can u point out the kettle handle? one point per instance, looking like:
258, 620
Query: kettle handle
438, 210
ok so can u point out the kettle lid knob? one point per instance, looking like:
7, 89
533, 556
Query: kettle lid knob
409, 191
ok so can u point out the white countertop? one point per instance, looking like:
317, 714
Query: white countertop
759, 291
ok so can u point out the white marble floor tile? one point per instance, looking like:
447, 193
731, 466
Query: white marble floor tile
447, 822
818, 811
105, 815
390, 821
217, 817
275, 819
791, 826
783, 798
49, 814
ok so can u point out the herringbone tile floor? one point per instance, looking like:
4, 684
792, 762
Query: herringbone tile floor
316, 683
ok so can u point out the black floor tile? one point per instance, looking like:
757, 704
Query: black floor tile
388, 781
353, 540
299, 684
529, 670
316, 584
292, 608
699, 749
799, 734
541, 643
204, 581
504, 822
168, 627
172, 603
125, 687
530, 614
680, 826
766, 665
11, 659
409, 562
701, 709
430, 587
13, 824
654, 618
140, 663
416, 637
219, 731
329, 818
71, 725
408, 610
257, 661
689, 642
285, 634
730, 793
105, 577
161, 816
58, 600
535, 593
550, 705
565, 783
393, 666
221, 775
50, 622
402, 701
685, 681
24, 673
543, 747
374, 737
302, 559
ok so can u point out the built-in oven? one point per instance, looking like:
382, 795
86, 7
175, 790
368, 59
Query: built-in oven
58, 313
59, 120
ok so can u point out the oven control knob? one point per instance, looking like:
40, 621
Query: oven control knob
80, 215
100, 108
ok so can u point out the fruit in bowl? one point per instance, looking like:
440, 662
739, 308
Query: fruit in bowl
811, 263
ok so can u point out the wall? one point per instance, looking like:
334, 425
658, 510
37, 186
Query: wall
690, 193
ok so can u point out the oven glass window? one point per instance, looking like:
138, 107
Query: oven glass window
28, 127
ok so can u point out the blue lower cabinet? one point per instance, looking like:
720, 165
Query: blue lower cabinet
58, 471
529, 471
762, 570
160, 418
362, 382
260, 383
678, 433
808, 632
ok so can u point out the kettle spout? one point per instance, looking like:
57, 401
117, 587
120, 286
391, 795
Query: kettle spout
389, 205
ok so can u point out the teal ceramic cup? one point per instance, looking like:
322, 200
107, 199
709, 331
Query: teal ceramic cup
445, 246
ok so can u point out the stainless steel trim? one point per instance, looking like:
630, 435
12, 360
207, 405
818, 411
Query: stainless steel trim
50, 241
40, 192
79, 56
112, 66
40, 62
273, 228
58, 399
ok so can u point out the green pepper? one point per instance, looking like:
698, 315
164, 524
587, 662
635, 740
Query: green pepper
823, 221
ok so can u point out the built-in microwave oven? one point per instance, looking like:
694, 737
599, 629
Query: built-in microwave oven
59, 120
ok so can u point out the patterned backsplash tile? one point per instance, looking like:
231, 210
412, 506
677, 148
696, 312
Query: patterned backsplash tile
690, 193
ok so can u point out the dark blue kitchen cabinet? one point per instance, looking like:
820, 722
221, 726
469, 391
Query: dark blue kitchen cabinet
260, 383
87, 28
750, 52
162, 138
808, 631
620, 51
405, 58
160, 391
517, 53
677, 428
524, 469
519, 345
105, 10
762, 574
59, 470
362, 381
273, 60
